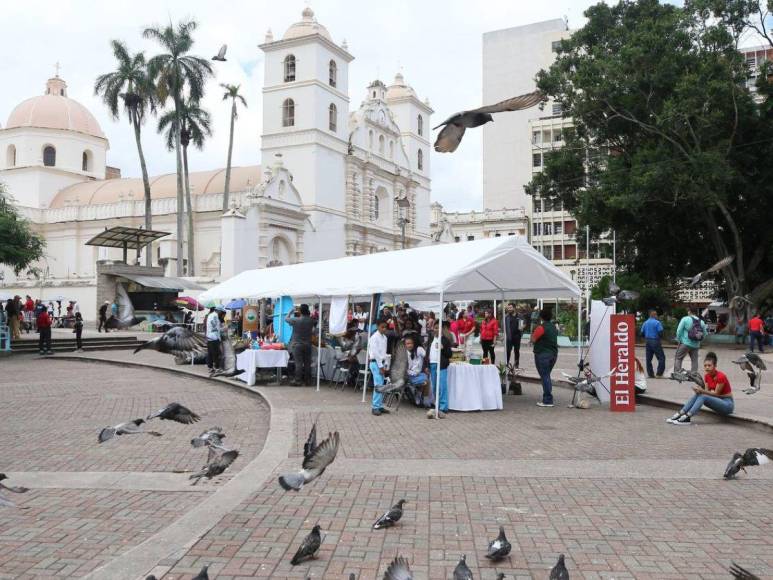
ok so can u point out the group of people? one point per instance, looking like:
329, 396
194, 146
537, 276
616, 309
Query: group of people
34, 315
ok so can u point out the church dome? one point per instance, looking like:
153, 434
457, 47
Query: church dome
54, 110
400, 89
306, 27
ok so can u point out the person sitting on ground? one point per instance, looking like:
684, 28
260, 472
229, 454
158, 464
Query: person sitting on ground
417, 378
717, 394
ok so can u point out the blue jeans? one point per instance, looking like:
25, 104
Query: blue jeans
377, 402
545, 361
756, 337
443, 402
654, 348
717, 404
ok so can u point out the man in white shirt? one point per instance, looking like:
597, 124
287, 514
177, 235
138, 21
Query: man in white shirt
360, 316
212, 330
377, 357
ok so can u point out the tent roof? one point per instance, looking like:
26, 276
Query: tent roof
483, 269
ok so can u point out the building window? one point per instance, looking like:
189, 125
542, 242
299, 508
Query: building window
10, 156
510, 233
536, 229
558, 110
457, 239
391, 149
547, 251
536, 205
497, 235
536, 137
288, 113
420, 123
470, 238
558, 136
86, 164
547, 229
420, 159
49, 156
381, 144
558, 227
370, 140
536, 160
555, 45
333, 73
332, 117
289, 68
376, 207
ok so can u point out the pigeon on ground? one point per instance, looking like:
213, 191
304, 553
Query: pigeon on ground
352, 576
216, 465
221, 54
462, 572
750, 458
4, 501
212, 437
454, 127
311, 441
499, 549
501, 576
175, 412
398, 570
741, 573
694, 281
559, 571
683, 376
151, 577
314, 464
128, 428
179, 341
309, 547
203, 574
391, 517
753, 365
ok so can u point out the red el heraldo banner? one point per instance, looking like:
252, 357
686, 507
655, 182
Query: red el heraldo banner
622, 328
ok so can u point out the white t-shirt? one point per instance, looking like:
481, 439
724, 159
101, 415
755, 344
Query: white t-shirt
361, 318
416, 364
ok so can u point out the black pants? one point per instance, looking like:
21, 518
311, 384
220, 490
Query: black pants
102, 323
302, 358
44, 342
514, 345
757, 337
78, 338
488, 350
213, 354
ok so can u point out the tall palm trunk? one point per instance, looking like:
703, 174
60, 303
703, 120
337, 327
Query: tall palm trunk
228, 163
180, 226
146, 185
189, 212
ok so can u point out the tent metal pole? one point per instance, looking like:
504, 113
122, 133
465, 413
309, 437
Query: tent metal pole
439, 355
504, 329
319, 341
368, 324
579, 329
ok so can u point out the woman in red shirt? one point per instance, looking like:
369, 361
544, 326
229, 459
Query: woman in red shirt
489, 330
717, 394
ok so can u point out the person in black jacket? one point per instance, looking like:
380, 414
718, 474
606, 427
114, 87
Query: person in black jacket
103, 316
514, 324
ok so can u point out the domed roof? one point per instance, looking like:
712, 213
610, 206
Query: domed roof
399, 88
306, 27
54, 110
161, 186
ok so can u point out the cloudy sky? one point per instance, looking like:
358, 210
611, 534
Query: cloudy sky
436, 44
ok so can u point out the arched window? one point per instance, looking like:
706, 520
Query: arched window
333, 70
376, 208
370, 141
49, 156
10, 156
420, 159
381, 144
288, 113
332, 114
391, 149
86, 161
420, 123
289, 68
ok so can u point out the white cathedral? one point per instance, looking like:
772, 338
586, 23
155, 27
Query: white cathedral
332, 182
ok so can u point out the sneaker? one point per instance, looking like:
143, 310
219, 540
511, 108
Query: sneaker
674, 417
541, 404
683, 420
384, 411
376, 412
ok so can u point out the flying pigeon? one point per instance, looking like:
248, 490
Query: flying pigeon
228, 353
309, 547
314, 464
620, 296
216, 466
694, 281
451, 135
501, 576
741, 573
753, 365
175, 412
4, 501
682, 376
500, 548
126, 317
398, 570
462, 572
212, 437
311, 441
221, 54
751, 457
391, 517
128, 428
589, 383
178, 341
559, 571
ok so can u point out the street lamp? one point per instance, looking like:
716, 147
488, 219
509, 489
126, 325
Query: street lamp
403, 204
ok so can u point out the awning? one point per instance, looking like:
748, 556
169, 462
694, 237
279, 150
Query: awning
120, 236
162, 282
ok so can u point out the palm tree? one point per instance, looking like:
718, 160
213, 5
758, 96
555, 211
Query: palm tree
194, 128
131, 86
231, 92
173, 71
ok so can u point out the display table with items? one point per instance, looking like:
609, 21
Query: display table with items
474, 387
252, 359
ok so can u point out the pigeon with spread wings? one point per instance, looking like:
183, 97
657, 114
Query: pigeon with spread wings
398, 570
221, 54
175, 412
212, 437
179, 341
751, 457
694, 281
454, 127
128, 428
741, 573
314, 464
753, 366
4, 501
216, 465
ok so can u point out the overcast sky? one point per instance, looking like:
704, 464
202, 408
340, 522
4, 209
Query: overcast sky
437, 44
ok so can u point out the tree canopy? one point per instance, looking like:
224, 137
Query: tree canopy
669, 147
19, 245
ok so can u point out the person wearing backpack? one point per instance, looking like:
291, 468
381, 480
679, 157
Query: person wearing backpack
690, 333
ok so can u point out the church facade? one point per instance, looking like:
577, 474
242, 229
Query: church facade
332, 182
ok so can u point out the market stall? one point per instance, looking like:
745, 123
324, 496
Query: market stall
474, 387
251, 360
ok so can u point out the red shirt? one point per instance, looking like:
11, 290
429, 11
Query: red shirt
29, 305
489, 329
465, 325
44, 320
719, 379
756, 324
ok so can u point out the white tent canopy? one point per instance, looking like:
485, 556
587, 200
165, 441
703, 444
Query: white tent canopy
494, 268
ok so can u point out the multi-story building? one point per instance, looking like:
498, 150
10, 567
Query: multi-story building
472, 225
756, 56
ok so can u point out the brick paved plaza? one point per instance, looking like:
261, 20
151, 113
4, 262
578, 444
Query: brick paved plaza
623, 496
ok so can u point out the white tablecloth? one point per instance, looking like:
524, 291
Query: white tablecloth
474, 387
328, 360
251, 359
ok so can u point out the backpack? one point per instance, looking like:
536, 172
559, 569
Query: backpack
696, 330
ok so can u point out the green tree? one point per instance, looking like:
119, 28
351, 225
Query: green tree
173, 72
194, 128
130, 87
231, 92
20, 246
669, 147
